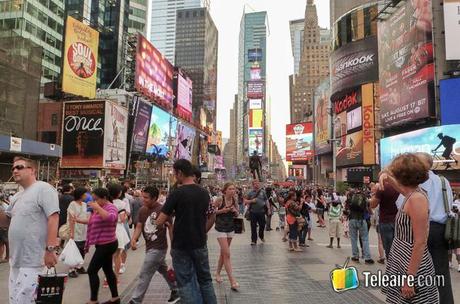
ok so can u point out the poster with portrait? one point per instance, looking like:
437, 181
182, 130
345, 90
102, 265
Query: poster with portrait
322, 119
116, 133
141, 127
256, 141
184, 142
350, 150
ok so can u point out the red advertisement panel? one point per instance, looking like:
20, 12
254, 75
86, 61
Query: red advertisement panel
299, 140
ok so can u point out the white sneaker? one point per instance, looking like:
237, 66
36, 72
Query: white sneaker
450, 265
458, 268
122, 269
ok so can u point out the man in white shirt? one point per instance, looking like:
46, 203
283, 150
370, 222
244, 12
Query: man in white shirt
438, 216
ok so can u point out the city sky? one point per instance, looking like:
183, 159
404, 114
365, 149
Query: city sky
280, 63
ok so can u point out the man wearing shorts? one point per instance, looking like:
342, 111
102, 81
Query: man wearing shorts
335, 224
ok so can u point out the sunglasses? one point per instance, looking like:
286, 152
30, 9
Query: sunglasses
19, 168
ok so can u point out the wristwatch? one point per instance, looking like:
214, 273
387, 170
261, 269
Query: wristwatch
51, 248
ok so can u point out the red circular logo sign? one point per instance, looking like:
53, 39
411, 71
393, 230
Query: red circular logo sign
81, 60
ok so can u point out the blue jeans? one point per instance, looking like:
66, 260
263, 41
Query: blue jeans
387, 233
303, 233
188, 265
355, 227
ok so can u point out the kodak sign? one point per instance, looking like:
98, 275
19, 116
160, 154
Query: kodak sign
368, 124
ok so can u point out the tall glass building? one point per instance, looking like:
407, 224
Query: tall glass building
41, 21
163, 24
138, 10
296, 27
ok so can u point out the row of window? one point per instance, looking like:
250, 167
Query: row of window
53, 7
188, 14
136, 25
44, 18
137, 12
43, 36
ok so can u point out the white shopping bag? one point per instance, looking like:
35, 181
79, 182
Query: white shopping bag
71, 255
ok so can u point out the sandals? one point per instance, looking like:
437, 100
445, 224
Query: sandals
235, 286
219, 278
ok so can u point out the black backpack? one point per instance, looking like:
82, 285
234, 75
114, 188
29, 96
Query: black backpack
358, 202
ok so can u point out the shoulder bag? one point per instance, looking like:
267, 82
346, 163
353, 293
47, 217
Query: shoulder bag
452, 233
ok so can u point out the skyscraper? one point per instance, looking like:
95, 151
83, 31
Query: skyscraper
296, 27
252, 55
138, 11
314, 65
196, 54
163, 24
41, 22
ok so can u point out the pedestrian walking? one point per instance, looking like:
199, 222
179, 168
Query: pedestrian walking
102, 227
293, 212
190, 204
32, 218
257, 202
226, 210
320, 208
270, 208
305, 214
409, 252
156, 246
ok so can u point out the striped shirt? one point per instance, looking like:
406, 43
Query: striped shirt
102, 231
335, 212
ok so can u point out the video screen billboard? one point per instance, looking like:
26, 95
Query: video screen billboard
184, 142
350, 150
141, 127
256, 118
322, 119
406, 67
255, 89
442, 142
255, 104
354, 119
162, 126
255, 55
184, 96
450, 101
83, 129
256, 141
299, 141
154, 73
254, 73
79, 75
115, 138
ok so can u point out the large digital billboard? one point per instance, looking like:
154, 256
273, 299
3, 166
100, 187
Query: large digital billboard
115, 138
442, 142
406, 67
141, 127
354, 63
322, 119
350, 150
255, 89
255, 73
184, 95
449, 90
299, 140
255, 55
79, 75
184, 142
256, 141
162, 126
256, 118
83, 129
154, 73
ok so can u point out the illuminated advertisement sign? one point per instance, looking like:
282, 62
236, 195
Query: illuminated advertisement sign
162, 126
256, 118
255, 55
184, 93
256, 141
115, 136
349, 101
254, 73
354, 119
355, 63
406, 67
154, 73
255, 104
322, 119
299, 140
442, 142
350, 150
368, 125
184, 142
255, 89
141, 127
452, 28
79, 75
450, 100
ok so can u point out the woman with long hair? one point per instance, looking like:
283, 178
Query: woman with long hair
320, 207
227, 209
293, 211
102, 225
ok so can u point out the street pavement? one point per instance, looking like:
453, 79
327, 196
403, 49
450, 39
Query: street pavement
267, 274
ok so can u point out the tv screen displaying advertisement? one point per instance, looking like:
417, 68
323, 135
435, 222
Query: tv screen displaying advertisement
115, 136
256, 141
350, 150
299, 140
184, 142
442, 142
450, 101
322, 119
255, 55
355, 63
255, 104
406, 66
184, 95
141, 127
255, 89
254, 73
154, 73
354, 119
83, 129
159, 132
256, 118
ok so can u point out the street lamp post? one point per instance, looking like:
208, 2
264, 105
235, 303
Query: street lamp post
334, 141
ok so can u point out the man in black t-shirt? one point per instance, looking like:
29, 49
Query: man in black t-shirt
189, 204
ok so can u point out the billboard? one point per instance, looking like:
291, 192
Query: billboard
350, 150
450, 100
256, 118
256, 141
154, 73
442, 142
115, 138
184, 142
452, 28
299, 140
184, 96
79, 69
354, 119
368, 125
255, 89
355, 63
83, 129
255, 104
322, 119
255, 55
162, 126
141, 127
349, 101
406, 67
254, 73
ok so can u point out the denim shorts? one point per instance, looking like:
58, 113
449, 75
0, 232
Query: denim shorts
293, 232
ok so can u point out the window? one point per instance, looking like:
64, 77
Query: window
54, 119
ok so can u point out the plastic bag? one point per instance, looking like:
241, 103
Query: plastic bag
71, 256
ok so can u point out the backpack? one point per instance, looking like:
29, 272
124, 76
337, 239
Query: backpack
358, 202
450, 140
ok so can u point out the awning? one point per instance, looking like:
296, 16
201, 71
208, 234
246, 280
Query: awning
30, 147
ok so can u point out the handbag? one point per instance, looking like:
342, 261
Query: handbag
71, 256
50, 289
452, 233
64, 232
239, 225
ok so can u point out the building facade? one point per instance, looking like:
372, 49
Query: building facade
138, 11
314, 65
196, 53
163, 24
297, 30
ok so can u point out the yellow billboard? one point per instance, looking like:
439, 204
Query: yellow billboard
79, 74
368, 124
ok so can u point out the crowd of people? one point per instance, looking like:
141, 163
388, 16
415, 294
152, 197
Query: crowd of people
406, 205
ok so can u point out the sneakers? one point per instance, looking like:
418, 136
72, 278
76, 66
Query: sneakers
174, 298
81, 270
122, 269
354, 259
262, 240
329, 246
369, 262
253, 243
381, 261
73, 274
